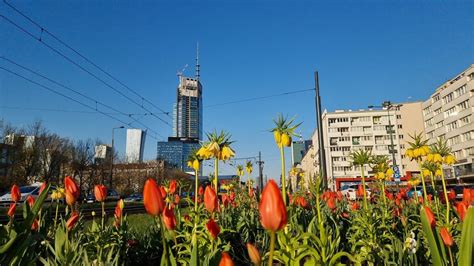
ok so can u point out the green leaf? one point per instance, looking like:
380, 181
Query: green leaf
4, 248
36, 207
467, 239
433, 244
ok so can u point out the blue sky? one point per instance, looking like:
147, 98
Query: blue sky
365, 51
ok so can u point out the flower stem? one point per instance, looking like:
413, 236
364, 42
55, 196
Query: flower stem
196, 191
363, 186
283, 180
383, 193
216, 170
425, 197
445, 194
435, 196
103, 214
56, 215
450, 256
272, 247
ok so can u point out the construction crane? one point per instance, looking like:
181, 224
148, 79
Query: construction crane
180, 73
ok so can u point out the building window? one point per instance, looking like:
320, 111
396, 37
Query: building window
448, 98
429, 122
452, 126
400, 127
439, 124
463, 105
399, 116
435, 98
460, 91
427, 110
437, 111
467, 136
450, 111
465, 120
400, 136
402, 146
377, 120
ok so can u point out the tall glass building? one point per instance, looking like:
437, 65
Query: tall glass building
187, 111
175, 152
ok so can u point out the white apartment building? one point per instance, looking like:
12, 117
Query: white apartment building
448, 114
346, 131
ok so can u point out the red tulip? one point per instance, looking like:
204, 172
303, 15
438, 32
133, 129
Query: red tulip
345, 215
177, 199
272, 208
35, 225
72, 221
213, 228
15, 192
254, 255
152, 198
446, 236
430, 215
43, 186
461, 207
301, 201
226, 260
251, 193
225, 200
100, 193
30, 200
200, 191
72, 192
163, 192
232, 196
339, 195
467, 196
169, 219
360, 191
172, 187
11, 210
331, 203
355, 206
210, 199
119, 209
187, 218
451, 195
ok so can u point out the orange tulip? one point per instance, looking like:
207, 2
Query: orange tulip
331, 203
152, 198
72, 221
11, 210
355, 206
467, 196
461, 207
30, 200
201, 191
446, 236
163, 192
226, 260
72, 192
254, 254
35, 225
451, 195
100, 193
430, 215
172, 187
213, 228
177, 199
169, 219
272, 209
225, 200
210, 199
119, 209
15, 192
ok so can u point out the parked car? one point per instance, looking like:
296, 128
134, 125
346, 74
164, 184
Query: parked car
112, 195
134, 198
31, 190
350, 192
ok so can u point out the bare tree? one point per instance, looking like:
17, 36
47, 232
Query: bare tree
82, 159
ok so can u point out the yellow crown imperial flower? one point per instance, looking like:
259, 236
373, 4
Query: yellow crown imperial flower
426, 149
380, 176
437, 158
438, 172
204, 153
277, 136
285, 140
449, 160
417, 153
429, 157
426, 173
389, 172
195, 165
409, 153
214, 149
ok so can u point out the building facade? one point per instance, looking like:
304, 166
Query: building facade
187, 111
298, 150
175, 152
135, 145
346, 131
448, 114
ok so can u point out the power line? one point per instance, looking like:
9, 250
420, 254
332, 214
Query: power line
258, 98
65, 96
84, 57
81, 67
59, 110
79, 93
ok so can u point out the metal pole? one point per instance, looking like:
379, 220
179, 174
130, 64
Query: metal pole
319, 124
392, 149
112, 161
260, 171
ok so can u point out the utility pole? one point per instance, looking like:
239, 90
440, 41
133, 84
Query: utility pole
319, 124
260, 171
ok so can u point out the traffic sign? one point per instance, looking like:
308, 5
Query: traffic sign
396, 173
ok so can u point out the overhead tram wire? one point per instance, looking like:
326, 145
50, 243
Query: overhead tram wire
79, 93
43, 29
66, 96
81, 67
58, 110
258, 98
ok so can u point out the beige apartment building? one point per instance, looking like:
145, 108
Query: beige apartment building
369, 129
448, 114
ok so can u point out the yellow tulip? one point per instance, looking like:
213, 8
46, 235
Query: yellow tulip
277, 136
195, 165
285, 140
426, 173
449, 160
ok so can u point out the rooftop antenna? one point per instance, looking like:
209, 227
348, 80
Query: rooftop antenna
197, 62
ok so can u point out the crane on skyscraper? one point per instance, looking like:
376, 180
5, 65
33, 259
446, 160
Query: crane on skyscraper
180, 73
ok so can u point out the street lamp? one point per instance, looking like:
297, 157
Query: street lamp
388, 105
112, 157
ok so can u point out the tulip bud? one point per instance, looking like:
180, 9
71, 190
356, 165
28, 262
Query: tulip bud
71, 188
15, 192
72, 221
100, 193
169, 218
30, 200
70, 199
35, 225
461, 208
152, 198
446, 236
254, 254
43, 186
430, 215
213, 228
272, 208
172, 187
210, 199
226, 260
11, 210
